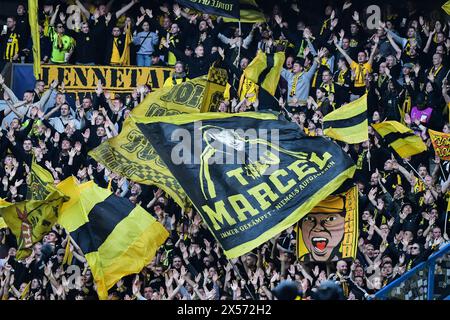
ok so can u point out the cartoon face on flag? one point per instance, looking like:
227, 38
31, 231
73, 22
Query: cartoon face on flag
330, 231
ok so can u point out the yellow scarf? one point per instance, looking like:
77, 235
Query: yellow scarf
294, 84
323, 62
341, 77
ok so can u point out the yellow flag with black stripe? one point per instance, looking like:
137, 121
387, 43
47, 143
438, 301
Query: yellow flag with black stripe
349, 123
337, 238
401, 138
446, 7
117, 237
130, 155
265, 70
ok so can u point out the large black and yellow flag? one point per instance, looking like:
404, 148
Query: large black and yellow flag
131, 155
30, 220
249, 175
329, 232
117, 237
349, 123
400, 138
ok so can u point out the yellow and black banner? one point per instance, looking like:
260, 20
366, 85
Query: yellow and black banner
400, 138
329, 232
441, 144
225, 8
40, 183
272, 174
117, 237
30, 220
131, 155
83, 79
349, 123
249, 12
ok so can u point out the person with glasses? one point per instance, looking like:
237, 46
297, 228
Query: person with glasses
415, 255
62, 44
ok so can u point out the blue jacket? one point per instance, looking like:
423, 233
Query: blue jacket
148, 40
303, 84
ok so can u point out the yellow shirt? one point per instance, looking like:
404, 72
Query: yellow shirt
115, 56
360, 70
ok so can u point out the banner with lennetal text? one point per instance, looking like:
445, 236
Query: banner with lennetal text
117, 79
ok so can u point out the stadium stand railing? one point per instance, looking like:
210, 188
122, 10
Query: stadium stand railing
430, 280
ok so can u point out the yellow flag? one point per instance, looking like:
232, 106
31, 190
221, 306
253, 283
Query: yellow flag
441, 143
39, 181
216, 83
34, 28
265, 70
117, 237
125, 58
30, 220
401, 138
349, 123
446, 7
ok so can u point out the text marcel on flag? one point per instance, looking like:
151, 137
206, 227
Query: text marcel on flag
249, 197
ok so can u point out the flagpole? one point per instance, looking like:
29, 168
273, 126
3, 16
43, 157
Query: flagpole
236, 269
291, 116
446, 220
442, 170
407, 162
239, 47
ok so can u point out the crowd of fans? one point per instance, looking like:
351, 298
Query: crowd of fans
402, 65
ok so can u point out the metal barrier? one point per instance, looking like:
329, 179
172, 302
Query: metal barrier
430, 280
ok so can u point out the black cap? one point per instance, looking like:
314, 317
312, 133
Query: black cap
300, 61
328, 290
287, 290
